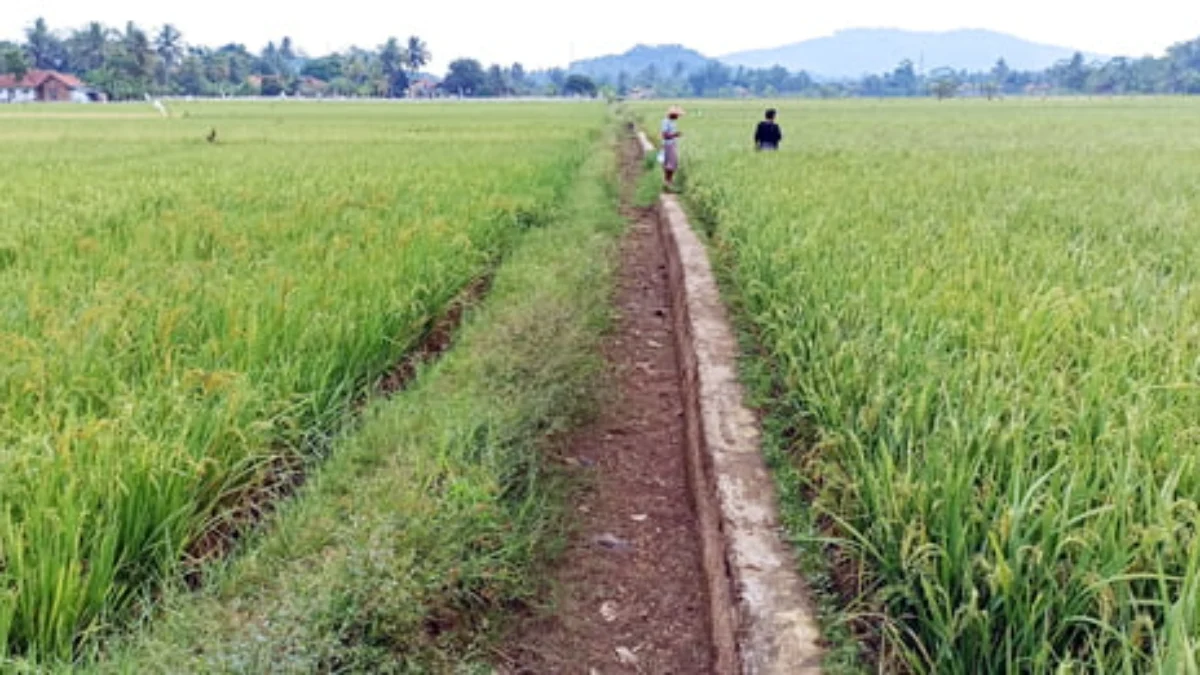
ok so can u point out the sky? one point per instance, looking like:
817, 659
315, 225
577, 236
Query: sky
547, 33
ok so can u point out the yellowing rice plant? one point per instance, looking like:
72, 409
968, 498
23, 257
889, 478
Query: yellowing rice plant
983, 320
176, 313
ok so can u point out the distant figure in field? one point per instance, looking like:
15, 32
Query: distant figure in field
768, 134
670, 139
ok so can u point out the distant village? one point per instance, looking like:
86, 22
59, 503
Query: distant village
49, 86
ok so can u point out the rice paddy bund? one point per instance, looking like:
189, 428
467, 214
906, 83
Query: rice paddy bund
980, 328
175, 313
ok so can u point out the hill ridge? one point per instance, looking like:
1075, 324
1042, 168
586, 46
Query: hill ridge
852, 52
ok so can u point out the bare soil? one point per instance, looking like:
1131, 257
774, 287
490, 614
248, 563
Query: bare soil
629, 590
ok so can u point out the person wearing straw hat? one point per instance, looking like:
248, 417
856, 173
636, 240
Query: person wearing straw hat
670, 139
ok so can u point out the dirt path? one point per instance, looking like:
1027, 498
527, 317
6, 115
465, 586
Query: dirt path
630, 592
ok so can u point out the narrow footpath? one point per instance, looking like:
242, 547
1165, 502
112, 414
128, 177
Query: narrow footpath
630, 594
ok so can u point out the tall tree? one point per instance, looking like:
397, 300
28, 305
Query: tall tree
1149, 75
777, 77
417, 54
168, 44
944, 83
1073, 75
268, 60
497, 83
519, 77
711, 80
579, 85
44, 49
326, 68
466, 77
904, 79
238, 61
140, 52
393, 60
363, 69
219, 71
191, 76
13, 62
287, 51
1000, 73
88, 47
799, 82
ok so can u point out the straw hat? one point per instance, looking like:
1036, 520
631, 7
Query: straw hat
675, 110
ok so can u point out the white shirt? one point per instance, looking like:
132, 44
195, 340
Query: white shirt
668, 127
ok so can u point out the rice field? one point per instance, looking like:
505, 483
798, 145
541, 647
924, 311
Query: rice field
176, 314
980, 331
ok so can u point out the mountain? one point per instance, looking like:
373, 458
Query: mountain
851, 53
663, 57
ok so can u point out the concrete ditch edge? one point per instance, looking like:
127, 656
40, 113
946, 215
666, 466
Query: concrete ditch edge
762, 622
647, 146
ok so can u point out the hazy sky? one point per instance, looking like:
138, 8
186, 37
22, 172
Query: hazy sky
542, 33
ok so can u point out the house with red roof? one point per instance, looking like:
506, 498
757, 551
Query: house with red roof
45, 86
424, 87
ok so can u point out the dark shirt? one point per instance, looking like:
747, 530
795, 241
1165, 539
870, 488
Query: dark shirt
768, 135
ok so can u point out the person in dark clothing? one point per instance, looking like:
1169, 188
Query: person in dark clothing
768, 134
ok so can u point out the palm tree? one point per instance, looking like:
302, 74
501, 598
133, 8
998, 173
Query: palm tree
41, 45
393, 60
268, 61
417, 54
89, 47
140, 50
169, 45
287, 51
287, 57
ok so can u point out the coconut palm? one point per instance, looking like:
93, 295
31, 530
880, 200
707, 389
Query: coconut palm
416, 55
89, 46
42, 47
140, 50
169, 45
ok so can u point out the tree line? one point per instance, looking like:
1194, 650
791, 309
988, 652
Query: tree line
132, 62
1177, 72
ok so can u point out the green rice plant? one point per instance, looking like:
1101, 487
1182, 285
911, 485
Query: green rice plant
985, 319
430, 522
176, 313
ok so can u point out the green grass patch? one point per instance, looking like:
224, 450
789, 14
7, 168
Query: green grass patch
649, 187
